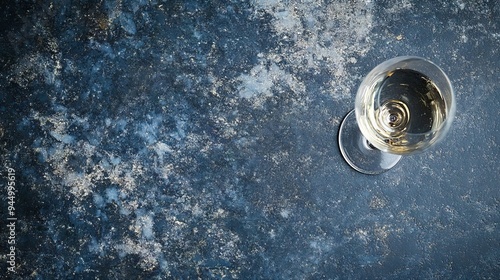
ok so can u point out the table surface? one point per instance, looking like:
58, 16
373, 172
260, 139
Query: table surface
185, 139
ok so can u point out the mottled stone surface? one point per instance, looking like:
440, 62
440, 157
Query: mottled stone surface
198, 139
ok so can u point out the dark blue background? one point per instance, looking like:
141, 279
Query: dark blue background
185, 139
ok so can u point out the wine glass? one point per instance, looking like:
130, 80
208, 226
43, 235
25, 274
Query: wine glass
403, 106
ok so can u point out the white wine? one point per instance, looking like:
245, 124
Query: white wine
404, 111
404, 105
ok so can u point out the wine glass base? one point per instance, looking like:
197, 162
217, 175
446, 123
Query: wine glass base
359, 153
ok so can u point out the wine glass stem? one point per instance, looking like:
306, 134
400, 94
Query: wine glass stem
359, 153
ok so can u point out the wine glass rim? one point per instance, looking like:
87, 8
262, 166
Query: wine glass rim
435, 73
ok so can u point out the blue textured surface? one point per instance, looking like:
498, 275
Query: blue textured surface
185, 139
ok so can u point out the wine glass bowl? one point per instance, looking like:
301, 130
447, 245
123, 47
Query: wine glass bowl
403, 106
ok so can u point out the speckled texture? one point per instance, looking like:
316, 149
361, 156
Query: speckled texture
198, 139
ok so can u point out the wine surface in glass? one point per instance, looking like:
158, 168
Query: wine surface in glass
404, 112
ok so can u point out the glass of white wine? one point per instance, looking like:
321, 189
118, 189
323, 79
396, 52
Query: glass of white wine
403, 106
